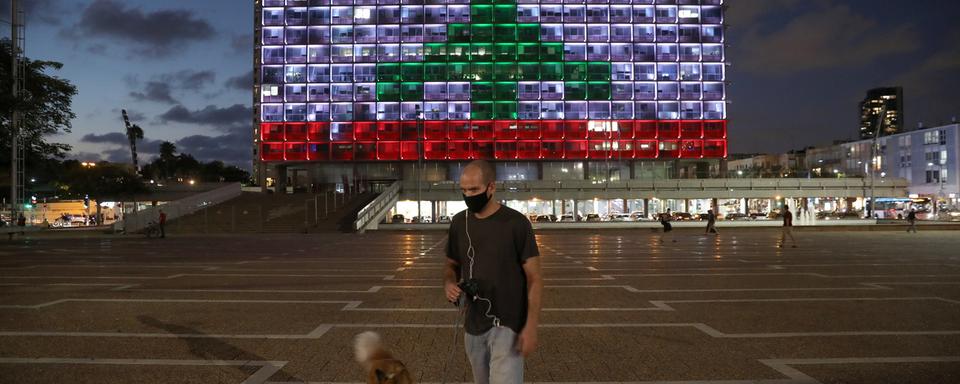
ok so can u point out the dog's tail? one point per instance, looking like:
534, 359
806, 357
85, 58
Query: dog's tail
365, 345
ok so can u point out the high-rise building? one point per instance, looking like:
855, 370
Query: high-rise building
347, 87
870, 107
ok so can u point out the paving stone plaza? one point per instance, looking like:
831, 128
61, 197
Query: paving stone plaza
843, 307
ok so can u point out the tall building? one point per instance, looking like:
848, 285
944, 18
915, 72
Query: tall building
545, 89
870, 107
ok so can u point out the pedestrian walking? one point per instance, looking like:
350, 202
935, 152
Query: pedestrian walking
912, 220
787, 230
497, 279
161, 222
711, 223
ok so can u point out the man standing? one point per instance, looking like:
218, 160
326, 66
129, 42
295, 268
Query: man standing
787, 228
711, 222
161, 222
492, 252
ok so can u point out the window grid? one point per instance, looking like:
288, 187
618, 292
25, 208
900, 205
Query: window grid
352, 65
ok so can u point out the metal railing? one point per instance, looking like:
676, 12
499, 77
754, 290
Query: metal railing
138, 220
369, 216
672, 188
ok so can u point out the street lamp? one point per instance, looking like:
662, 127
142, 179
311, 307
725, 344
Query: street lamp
419, 117
936, 199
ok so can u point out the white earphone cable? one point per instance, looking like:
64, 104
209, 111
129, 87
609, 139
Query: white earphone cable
471, 253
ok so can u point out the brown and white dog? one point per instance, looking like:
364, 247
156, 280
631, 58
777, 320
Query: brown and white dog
381, 367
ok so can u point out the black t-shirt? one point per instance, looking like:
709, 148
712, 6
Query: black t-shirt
502, 242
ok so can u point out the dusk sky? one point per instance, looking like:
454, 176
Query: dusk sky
182, 69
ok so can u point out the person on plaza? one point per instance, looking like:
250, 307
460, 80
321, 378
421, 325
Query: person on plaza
161, 223
711, 223
493, 269
665, 219
912, 220
787, 230
22, 222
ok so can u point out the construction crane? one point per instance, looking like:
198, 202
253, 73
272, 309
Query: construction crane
134, 133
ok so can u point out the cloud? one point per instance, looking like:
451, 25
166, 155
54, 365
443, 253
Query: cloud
134, 116
243, 82
746, 12
824, 37
35, 10
242, 44
107, 138
161, 87
930, 86
86, 156
233, 148
211, 115
155, 91
152, 34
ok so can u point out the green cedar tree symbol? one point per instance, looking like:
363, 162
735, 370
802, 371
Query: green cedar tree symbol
493, 52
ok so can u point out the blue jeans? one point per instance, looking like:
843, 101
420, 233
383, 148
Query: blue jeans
494, 356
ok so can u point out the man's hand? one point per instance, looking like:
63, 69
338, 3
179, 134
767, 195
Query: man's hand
527, 341
452, 291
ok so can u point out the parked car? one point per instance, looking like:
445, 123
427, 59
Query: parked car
738, 216
620, 217
569, 218
422, 219
593, 217
949, 215
682, 216
398, 218
443, 220
69, 221
637, 216
546, 219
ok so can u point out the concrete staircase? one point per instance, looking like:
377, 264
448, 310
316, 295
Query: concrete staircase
254, 212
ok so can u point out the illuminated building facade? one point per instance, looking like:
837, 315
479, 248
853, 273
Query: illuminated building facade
389, 82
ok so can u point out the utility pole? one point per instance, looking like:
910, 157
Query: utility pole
420, 154
18, 72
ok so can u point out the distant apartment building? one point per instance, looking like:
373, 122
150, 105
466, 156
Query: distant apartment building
888, 100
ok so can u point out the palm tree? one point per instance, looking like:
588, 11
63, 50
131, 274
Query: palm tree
134, 133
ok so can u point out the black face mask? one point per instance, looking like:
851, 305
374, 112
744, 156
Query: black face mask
476, 203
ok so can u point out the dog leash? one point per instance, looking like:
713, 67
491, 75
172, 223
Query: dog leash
461, 309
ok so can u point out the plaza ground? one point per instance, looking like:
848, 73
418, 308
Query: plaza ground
843, 307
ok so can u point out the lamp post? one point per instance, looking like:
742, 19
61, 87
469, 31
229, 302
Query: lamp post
936, 199
419, 117
874, 151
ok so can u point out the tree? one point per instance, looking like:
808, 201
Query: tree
103, 181
170, 165
46, 108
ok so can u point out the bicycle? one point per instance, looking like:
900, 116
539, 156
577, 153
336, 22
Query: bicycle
152, 230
